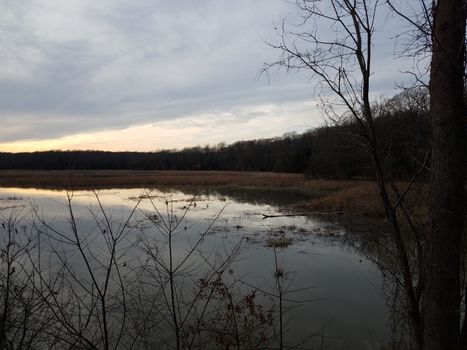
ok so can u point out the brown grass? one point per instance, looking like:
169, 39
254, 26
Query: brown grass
278, 242
351, 197
359, 198
129, 179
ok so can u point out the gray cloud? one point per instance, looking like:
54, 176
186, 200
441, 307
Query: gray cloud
81, 66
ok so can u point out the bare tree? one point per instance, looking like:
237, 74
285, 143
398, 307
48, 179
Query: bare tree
180, 285
83, 281
25, 321
334, 42
438, 30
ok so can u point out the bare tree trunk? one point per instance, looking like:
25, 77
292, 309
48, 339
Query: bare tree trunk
414, 312
442, 298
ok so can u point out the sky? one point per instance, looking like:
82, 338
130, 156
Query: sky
145, 75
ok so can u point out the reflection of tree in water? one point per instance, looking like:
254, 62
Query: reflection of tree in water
378, 247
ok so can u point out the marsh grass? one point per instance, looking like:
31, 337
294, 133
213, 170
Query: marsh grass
351, 197
128, 179
118, 178
278, 242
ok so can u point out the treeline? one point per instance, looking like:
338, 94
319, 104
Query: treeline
333, 152
285, 154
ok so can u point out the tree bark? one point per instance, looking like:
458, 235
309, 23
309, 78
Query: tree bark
442, 295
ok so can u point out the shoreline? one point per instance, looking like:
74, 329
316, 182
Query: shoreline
355, 204
140, 178
350, 197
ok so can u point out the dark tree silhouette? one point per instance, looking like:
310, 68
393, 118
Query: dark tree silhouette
448, 177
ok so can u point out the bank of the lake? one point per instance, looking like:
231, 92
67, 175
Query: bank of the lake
357, 198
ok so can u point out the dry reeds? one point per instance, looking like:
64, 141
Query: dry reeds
354, 197
129, 178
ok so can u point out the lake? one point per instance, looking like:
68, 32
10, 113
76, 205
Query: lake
333, 291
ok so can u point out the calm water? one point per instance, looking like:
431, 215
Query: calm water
346, 286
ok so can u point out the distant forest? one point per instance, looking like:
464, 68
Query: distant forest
331, 152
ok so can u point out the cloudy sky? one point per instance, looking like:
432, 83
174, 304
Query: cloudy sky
151, 74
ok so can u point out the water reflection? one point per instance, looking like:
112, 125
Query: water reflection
350, 310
